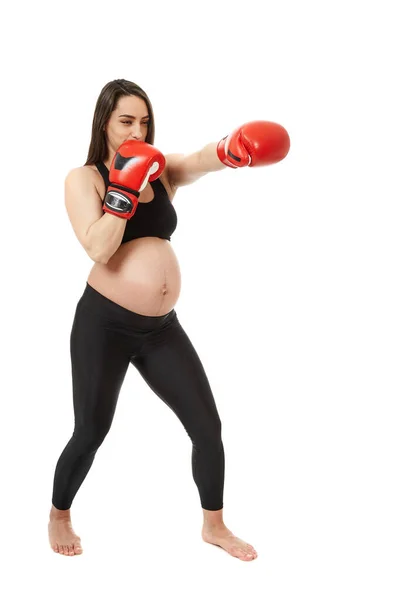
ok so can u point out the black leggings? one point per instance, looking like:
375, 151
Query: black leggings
105, 338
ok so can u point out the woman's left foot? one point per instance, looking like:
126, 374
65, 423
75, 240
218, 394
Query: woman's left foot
222, 536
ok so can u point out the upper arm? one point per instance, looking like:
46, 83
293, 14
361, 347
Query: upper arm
183, 169
83, 203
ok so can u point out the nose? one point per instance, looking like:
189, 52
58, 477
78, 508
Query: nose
136, 133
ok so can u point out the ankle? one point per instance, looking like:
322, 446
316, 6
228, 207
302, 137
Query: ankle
214, 526
213, 519
55, 513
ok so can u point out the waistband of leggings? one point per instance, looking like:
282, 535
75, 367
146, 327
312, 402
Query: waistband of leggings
110, 310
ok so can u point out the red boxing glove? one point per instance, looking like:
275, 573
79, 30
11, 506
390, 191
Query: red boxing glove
134, 164
254, 144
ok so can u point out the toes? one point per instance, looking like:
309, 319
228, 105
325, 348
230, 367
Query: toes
246, 554
68, 549
251, 550
240, 553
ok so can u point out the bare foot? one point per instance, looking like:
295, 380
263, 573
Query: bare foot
62, 537
222, 536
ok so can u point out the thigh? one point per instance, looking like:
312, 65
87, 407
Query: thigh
172, 368
99, 364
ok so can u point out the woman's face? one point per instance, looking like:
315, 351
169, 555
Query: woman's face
129, 121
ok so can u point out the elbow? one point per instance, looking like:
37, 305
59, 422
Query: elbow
100, 258
100, 253
97, 257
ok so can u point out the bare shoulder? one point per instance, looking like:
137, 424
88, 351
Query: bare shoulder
86, 175
84, 172
172, 161
166, 175
184, 169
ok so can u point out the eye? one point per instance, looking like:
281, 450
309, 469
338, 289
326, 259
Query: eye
130, 122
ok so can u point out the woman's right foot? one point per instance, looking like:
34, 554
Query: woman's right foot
62, 537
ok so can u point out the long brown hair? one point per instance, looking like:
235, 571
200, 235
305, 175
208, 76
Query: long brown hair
106, 103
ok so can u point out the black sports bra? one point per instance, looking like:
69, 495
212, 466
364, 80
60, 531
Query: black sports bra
156, 218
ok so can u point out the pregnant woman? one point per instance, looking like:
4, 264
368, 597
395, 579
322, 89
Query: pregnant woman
120, 207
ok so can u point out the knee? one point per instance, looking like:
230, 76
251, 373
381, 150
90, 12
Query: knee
209, 436
90, 437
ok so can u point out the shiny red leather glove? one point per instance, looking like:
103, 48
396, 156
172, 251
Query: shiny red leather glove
254, 144
134, 164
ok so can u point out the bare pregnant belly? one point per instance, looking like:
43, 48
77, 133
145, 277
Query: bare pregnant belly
142, 276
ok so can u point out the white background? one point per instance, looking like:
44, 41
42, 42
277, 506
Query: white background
290, 295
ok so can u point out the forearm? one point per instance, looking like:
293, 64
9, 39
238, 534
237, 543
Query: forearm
209, 160
104, 237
